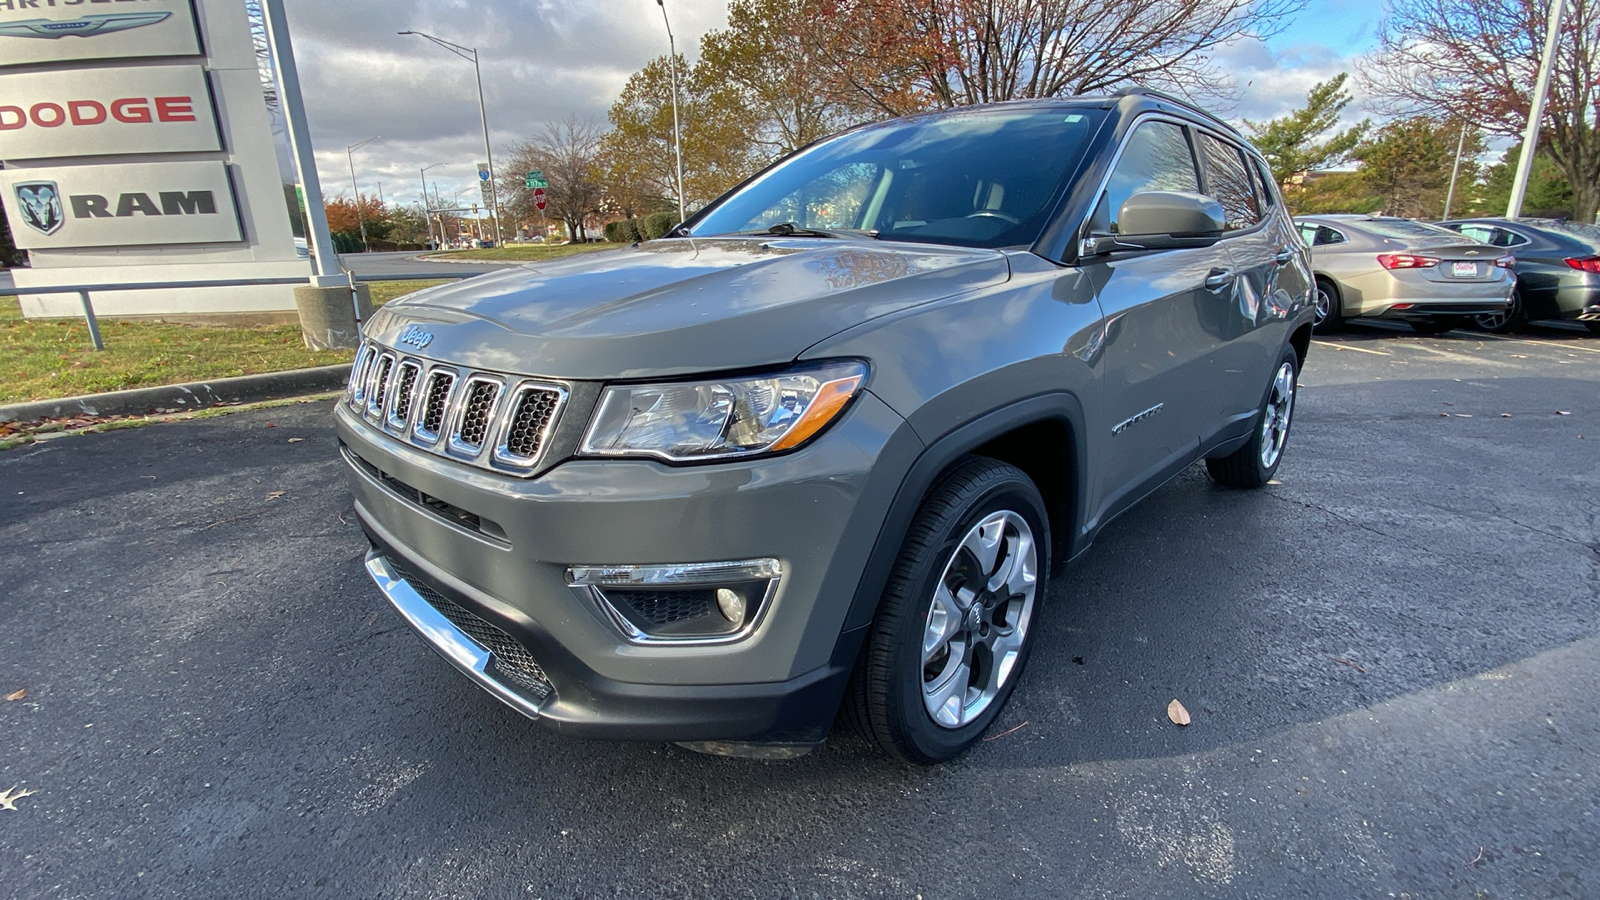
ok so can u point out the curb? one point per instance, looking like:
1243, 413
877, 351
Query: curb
195, 395
508, 263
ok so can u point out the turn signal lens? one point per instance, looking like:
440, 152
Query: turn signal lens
1586, 264
1405, 261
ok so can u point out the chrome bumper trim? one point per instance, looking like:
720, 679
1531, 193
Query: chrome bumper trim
443, 636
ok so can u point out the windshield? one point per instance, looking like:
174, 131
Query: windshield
1405, 228
984, 178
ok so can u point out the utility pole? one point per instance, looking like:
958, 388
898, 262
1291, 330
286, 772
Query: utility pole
427, 206
1455, 170
677, 133
349, 155
483, 116
1530, 137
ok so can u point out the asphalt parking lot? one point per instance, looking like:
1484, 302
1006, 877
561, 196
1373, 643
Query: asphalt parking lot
1392, 658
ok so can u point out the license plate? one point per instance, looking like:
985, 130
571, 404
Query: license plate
1464, 269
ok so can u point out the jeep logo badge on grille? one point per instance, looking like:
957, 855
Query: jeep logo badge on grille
416, 337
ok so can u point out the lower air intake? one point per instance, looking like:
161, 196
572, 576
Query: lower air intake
516, 664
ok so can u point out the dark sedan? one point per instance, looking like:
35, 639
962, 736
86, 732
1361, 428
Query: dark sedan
1558, 269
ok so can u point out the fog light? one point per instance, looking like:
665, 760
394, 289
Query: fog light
681, 603
731, 605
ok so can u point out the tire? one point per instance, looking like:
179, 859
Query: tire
1594, 327
1434, 324
897, 689
1512, 320
1329, 307
1254, 464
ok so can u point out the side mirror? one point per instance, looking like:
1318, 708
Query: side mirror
1159, 220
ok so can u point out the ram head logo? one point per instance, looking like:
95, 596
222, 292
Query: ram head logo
40, 204
85, 26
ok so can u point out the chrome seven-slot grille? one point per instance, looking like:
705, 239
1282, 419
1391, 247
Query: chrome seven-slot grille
488, 419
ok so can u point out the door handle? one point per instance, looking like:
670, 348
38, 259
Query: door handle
1217, 279
1283, 256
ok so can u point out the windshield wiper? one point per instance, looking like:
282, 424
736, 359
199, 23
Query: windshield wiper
789, 229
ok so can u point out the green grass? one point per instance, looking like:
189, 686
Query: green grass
41, 359
524, 252
384, 291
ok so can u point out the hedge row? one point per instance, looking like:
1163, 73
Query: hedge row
648, 228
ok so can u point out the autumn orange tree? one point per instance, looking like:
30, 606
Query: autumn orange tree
342, 219
719, 149
1478, 61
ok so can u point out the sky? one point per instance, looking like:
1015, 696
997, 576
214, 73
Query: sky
546, 60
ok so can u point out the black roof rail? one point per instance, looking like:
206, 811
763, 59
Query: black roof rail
1139, 90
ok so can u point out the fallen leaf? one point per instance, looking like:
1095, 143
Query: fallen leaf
8, 799
17, 694
1177, 713
276, 494
295, 440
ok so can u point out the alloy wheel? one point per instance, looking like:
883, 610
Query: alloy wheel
1275, 418
978, 619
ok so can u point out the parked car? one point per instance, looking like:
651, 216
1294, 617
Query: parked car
1384, 267
827, 443
1558, 269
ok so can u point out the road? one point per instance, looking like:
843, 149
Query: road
406, 263
1391, 655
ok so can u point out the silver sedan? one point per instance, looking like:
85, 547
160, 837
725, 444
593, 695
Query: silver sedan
1392, 268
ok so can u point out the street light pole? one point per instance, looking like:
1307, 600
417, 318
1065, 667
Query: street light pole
349, 155
1530, 137
427, 207
677, 133
483, 116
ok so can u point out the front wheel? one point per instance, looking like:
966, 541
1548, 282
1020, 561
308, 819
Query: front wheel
1254, 464
1594, 327
956, 622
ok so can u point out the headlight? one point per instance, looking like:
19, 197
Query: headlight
702, 420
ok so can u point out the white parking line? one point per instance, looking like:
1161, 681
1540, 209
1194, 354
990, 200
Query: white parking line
1453, 355
1347, 347
1550, 345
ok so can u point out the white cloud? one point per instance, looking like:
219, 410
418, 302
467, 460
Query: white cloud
542, 61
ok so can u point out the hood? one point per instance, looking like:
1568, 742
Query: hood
679, 305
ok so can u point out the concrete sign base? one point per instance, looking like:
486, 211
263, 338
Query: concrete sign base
328, 317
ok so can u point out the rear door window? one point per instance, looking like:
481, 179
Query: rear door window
1156, 157
1228, 181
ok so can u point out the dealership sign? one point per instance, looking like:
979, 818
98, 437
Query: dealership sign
110, 206
40, 31
95, 112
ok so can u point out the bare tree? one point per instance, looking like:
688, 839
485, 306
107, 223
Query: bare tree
1478, 60
903, 55
568, 153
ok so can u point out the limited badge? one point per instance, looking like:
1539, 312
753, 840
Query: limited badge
40, 204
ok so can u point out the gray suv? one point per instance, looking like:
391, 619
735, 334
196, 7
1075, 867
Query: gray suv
823, 445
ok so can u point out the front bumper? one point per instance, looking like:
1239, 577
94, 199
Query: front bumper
818, 510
